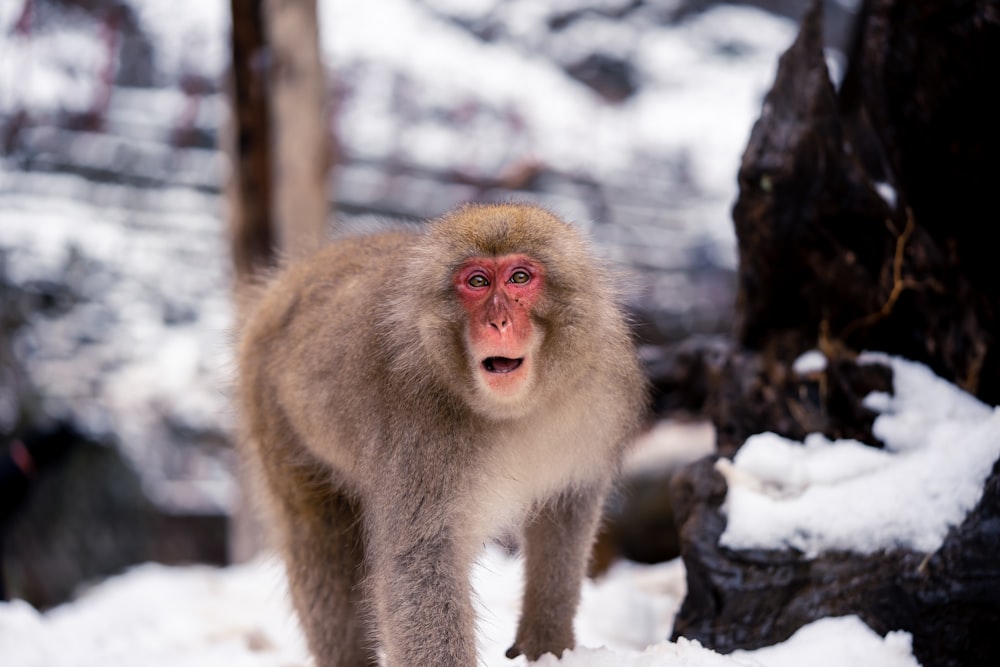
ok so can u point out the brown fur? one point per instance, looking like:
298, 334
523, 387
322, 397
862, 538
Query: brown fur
385, 465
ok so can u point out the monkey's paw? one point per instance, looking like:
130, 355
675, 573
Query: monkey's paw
535, 647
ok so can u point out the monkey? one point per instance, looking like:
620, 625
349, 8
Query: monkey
407, 396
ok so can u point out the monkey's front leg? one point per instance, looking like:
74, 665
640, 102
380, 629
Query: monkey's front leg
557, 546
420, 579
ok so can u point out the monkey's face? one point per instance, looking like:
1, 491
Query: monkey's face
498, 294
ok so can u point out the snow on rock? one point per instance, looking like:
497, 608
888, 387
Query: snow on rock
940, 445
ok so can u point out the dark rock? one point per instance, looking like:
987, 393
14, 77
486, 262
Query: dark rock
958, 592
18, 397
823, 257
744, 392
86, 517
828, 262
681, 374
612, 78
751, 392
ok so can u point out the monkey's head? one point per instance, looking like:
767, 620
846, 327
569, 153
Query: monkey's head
505, 297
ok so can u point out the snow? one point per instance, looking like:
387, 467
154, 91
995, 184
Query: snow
191, 36
511, 105
812, 361
835, 642
55, 69
240, 617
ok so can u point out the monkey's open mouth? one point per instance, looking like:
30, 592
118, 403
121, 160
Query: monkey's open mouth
501, 364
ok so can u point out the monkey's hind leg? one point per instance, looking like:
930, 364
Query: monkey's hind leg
323, 549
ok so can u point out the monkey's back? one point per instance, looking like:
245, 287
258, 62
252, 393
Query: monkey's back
314, 327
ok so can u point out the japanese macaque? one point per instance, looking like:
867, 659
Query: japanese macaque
406, 396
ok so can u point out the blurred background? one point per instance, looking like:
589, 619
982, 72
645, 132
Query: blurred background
628, 117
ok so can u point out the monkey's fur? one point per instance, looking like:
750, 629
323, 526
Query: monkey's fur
387, 465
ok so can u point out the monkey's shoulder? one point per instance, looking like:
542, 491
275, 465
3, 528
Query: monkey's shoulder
361, 254
352, 268
326, 301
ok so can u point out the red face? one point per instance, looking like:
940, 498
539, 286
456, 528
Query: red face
498, 294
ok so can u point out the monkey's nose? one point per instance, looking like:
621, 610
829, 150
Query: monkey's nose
500, 323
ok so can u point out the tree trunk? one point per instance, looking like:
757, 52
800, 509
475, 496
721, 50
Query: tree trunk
279, 151
301, 147
247, 142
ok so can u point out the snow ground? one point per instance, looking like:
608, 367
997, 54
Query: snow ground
239, 617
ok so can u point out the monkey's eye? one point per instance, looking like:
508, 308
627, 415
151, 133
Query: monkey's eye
478, 280
520, 277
